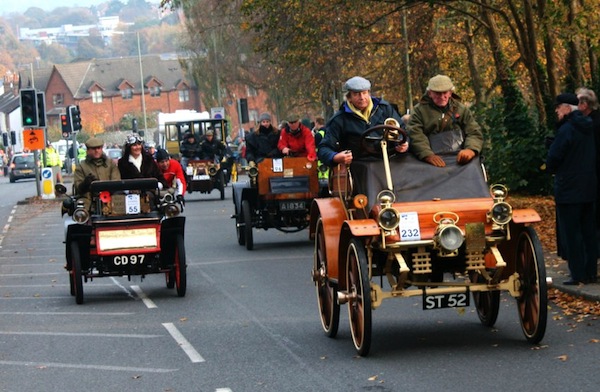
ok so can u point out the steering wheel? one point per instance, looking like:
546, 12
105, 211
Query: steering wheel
372, 138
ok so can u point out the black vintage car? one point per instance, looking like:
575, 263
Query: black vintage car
130, 228
277, 195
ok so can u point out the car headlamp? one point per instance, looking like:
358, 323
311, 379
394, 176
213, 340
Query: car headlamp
253, 171
501, 213
171, 210
389, 218
450, 237
81, 215
212, 170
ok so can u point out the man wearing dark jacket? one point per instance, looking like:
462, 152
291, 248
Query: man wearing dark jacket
263, 142
571, 158
359, 112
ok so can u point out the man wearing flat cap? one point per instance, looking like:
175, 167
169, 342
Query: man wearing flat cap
441, 126
359, 112
571, 158
297, 140
211, 148
95, 166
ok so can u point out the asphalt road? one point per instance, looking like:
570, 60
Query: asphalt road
248, 322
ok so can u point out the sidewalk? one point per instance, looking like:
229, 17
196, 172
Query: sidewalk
556, 268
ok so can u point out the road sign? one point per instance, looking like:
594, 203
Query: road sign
33, 139
217, 113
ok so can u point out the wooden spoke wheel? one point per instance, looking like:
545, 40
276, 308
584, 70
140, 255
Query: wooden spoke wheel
533, 302
329, 308
359, 293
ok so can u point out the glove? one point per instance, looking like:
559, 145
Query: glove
87, 181
180, 199
435, 160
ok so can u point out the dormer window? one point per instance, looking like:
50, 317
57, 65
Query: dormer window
127, 93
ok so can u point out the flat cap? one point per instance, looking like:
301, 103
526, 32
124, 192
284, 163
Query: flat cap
210, 132
357, 84
567, 98
94, 142
440, 84
293, 118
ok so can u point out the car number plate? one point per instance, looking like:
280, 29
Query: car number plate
128, 260
26, 171
292, 205
201, 177
440, 301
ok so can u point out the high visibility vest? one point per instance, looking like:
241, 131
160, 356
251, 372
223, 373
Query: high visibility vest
323, 175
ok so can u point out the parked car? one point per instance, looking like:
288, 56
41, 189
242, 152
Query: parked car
22, 165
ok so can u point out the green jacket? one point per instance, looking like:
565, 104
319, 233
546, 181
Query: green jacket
102, 169
428, 119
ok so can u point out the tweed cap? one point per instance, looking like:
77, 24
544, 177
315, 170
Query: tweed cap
293, 118
440, 84
94, 142
567, 98
357, 84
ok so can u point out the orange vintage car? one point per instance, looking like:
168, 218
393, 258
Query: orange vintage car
398, 227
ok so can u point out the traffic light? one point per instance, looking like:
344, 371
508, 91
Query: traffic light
41, 109
75, 118
29, 108
13, 137
4, 139
134, 127
65, 123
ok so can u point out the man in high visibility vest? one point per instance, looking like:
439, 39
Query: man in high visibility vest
53, 160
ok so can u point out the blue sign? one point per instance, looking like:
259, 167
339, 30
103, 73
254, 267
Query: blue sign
47, 173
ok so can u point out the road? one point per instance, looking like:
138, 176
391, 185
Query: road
248, 322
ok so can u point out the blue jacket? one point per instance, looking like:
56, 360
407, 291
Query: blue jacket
344, 130
572, 159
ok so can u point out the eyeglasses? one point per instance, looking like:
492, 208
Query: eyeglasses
134, 139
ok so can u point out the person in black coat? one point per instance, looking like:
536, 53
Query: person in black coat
572, 160
137, 163
262, 143
344, 131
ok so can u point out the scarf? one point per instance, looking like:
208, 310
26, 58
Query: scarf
137, 162
365, 114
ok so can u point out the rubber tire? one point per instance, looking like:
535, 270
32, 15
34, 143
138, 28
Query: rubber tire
359, 308
180, 266
247, 214
76, 276
329, 308
533, 302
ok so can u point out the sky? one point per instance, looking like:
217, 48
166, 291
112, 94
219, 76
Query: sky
20, 6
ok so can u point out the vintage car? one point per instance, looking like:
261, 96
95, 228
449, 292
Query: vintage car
277, 195
172, 135
439, 234
204, 175
130, 228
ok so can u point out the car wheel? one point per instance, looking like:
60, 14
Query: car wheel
180, 266
247, 214
358, 289
329, 308
76, 276
533, 302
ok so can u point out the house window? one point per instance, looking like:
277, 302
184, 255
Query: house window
58, 99
127, 93
97, 96
155, 91
251, 91
184, 95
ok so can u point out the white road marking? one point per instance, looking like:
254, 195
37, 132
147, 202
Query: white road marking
183, 343
223, 390
90, 367
122, 287
147, 301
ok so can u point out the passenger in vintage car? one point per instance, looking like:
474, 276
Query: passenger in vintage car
297, 140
